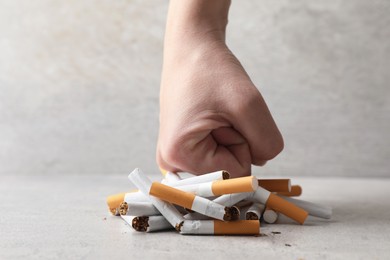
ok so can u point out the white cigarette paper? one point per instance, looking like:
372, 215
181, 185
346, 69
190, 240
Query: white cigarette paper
136, 196
208, 177
167, 210
229, 200
139, 209
314, 209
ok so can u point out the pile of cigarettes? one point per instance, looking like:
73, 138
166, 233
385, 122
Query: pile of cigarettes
210, 204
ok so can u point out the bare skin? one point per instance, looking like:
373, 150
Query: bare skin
212, 116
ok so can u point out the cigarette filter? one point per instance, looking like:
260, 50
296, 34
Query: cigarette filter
275, 185
221, 187
270, 216
193, 202
143, 183
208, 177
296, 191
313, 209
278, 204
138, 209
216, 227
149, 223
254, 212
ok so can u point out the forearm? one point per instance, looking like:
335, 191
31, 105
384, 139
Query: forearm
192, 23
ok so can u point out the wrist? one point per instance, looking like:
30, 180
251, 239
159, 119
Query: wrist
195, 26
192, 19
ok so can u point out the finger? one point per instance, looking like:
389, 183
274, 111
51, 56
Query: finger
254, 121
218, 149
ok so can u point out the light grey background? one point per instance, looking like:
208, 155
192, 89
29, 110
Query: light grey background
79, 83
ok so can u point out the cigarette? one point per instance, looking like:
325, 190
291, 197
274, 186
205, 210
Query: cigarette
208, 177
254, 212
143, 183
221, 187
313, 209
138, 209
275, 185
114, 201
150, 223
280, 205
216, 227
296, 191
270, 216
193, 202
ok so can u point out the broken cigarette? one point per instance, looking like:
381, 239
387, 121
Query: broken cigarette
270, 216
254, 212
193, 202
150, 223
208, 177
221, 187
296, 191
313, 209
114, 201
143, 183
216, 227
280, 205
138, 209
275, 185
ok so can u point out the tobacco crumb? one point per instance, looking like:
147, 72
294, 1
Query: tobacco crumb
263, 235
178, 226
225, 175
276, 232
104, 218
287, 244
251, 216
231, 213
140, 223
123, 208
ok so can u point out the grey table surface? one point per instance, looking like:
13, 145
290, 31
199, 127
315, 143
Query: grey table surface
65, 217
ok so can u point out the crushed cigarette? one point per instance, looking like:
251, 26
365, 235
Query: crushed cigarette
155, 206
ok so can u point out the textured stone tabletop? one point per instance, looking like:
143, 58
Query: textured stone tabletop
66, 217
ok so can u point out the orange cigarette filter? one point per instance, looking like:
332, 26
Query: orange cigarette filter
296, 191
172, 195
240, 227
244, 184
287, 208
191, 201
275, 185
217, 227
